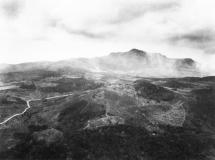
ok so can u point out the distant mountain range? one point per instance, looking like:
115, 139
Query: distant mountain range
133, 62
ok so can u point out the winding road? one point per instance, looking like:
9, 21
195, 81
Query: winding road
29, 106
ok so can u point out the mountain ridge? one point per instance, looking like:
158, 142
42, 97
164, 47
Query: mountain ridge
134, 62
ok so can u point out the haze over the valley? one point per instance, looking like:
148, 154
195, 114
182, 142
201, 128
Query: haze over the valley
41, 30
107, 80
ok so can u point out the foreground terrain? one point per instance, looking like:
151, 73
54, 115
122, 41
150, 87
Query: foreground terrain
107, 117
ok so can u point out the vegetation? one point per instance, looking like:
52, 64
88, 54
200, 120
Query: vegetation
151, 91
116, 143
71, 84
55, 129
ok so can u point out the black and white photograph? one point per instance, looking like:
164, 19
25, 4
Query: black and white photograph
107, 80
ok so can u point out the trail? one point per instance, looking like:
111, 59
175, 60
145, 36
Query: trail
17, 114
29, 106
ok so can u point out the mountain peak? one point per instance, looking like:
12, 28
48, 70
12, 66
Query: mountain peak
133, 52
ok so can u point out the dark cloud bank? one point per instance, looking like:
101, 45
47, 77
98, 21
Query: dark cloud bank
12, 8
202, 39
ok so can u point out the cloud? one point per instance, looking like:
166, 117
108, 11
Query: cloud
202, 39
134, 11
33, 30
81, 32
12, 8
85, 33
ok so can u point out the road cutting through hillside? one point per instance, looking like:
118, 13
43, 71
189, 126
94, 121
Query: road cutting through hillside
29, 106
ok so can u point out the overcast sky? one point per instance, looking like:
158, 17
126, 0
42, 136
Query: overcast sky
34, 30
